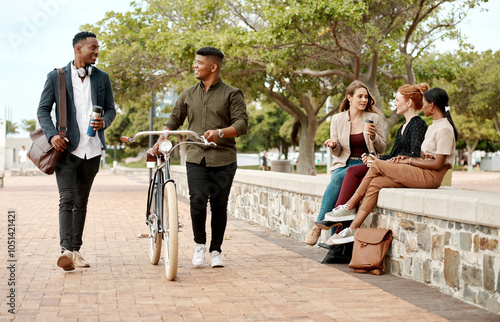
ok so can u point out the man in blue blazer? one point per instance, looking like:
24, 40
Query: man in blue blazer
86, 86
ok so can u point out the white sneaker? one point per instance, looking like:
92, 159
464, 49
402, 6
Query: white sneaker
78, 260
65, 260
215, 260
344, 237
341, 213
199, 255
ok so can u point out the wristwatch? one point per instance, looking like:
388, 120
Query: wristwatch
221, 133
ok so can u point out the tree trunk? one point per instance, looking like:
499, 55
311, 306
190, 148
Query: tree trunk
495, 120
389, 122
305, 164
470, 150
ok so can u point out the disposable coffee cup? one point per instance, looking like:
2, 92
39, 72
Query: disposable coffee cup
365, 129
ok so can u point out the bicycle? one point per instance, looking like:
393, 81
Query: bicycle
161, 209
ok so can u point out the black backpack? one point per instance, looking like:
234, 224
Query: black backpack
338, 254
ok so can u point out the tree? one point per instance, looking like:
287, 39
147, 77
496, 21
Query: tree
366, 40
11, 127
264, 126
475, 98
296, 53
472, 129
478, 86
29, 125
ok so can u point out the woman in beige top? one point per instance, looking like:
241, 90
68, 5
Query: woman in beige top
356, 130
438, 153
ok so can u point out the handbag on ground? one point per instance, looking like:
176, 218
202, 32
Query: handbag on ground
370, 247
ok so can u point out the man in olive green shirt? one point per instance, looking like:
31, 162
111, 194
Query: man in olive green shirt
218, 111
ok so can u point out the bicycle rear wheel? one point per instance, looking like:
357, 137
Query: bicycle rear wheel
171, 230
156, 212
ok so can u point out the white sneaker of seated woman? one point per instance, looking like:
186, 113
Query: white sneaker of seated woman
341, 213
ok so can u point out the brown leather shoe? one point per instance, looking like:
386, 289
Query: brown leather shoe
79, 261
65, 261
312, 237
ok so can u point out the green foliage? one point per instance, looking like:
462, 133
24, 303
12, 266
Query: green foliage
477, 90
29, 125
264, 127
474, 98
11, 127
293, 53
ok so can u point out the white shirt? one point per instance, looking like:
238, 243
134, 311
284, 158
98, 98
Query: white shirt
88, 147
23, 155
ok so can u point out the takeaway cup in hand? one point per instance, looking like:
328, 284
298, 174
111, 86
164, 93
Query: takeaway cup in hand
96, 112
367, 126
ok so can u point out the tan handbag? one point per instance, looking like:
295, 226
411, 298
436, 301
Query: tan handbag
42, 153
370, 247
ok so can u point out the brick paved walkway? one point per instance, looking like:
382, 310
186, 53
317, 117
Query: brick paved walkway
267, 276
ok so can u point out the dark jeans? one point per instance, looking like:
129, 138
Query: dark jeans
212, 183
74, 180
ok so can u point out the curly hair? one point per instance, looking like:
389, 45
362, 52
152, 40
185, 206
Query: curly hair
82, 35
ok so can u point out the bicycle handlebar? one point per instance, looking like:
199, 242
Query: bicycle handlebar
166, 133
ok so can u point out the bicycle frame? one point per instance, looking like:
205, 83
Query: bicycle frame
163, 222
166, 149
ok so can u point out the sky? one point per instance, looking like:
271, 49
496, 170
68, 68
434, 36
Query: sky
36, 37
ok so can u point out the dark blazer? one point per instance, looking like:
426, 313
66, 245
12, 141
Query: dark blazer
102, 95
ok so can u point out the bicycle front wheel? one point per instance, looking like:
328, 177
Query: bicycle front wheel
171, 230
156, 212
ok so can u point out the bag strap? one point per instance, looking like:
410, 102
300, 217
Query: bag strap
62, 103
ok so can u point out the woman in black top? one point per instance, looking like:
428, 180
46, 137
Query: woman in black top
408, 141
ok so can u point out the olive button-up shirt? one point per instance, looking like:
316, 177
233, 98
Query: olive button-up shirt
219, 107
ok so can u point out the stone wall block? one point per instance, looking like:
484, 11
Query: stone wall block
469, 295
407, 224
447, 237
264, 198
411, 243
489, 244
465, 241
418, 273
476, 243
437, 277
408, 266
427, 270
424, 237
437, 247
472, 275
489, 273
451, 266
395, 266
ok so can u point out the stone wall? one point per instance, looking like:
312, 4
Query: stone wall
460, 259
445, 238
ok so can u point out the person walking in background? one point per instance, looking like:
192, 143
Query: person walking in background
409, 139
218, 112
23, 156
349, 139
264, 161
427, 171
86, 86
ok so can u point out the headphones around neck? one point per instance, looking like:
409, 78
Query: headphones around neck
84, 71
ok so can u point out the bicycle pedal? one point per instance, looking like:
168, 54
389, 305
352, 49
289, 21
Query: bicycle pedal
143, 236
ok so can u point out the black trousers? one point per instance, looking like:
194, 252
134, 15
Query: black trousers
212, 183
74, 179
